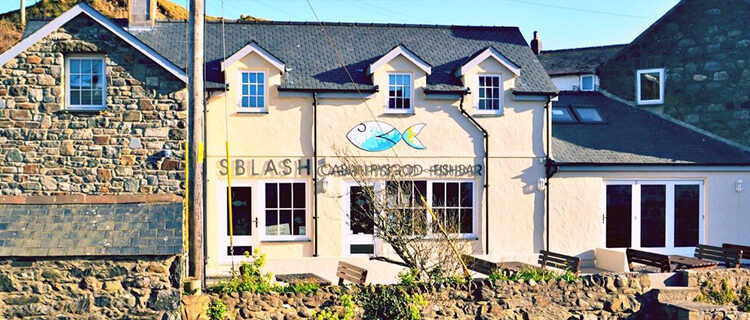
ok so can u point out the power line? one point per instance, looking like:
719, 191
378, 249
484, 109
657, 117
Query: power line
580, 9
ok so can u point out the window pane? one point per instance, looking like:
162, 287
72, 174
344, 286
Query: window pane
392, 103
85, 66
97, 97
360, 208
619, 204
271, 196
245, 77
260, 103
391, 79
252, 77
686, 215
299, 223
589, 114
451, 194
75, 82
96, 67
85, 97
285, 222
481, 83
285, 195
587, 83
245, 89
86, 81
562, 115
467, 221
245, 102
653, 216
452, 222
467, 196
438, 194
75, 97
75, 66
420, 191
272, 223
650, 86
260, 77
241, 211
299, 195
407, 103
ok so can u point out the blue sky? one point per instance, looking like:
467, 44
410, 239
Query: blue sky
561, 23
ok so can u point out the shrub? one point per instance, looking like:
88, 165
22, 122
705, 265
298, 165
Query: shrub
744, 300
216, 310
722, 295
347, 302
298, 287
537, 275
250, 279
409, 277
390, 302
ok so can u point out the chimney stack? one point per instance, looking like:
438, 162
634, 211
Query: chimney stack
141, 14
536, 44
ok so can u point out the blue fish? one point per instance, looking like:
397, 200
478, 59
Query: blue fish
238, 203
377, 136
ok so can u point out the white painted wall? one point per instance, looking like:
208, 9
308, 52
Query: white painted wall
570, 82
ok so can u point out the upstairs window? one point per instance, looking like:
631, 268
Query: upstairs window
562, 115
85, 83
490, 94
253, 98
650, 86
588, 115
399, 93
587, 82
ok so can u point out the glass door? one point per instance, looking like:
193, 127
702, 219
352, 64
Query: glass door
243, 221
359, 228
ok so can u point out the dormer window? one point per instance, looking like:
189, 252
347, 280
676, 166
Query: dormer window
253, 97
399, 93
587, 82
490, 94
650, 86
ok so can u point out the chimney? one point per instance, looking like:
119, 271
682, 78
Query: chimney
141, 14
536, 44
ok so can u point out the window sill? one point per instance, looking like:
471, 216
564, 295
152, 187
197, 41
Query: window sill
485, 114
649, 102
74, 110
398, 113
271, 240
252, 111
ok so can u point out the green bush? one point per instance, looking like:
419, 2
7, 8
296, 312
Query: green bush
252, 279
409, 277
347, 302
537, 275
390, 302
722, 295
744, 300
298, 287
216, 310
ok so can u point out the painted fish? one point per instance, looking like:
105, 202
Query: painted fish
376, 136
238, 203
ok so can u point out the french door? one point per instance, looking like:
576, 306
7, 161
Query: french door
657, 216
358, 229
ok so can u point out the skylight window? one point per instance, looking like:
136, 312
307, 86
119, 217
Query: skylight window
588, 115
587, 83
562, 115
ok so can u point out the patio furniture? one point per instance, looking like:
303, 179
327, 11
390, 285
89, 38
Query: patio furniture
351, 273
745, 249
660, 261
559, 261
730, 257
684, 263
303, 278
479, 265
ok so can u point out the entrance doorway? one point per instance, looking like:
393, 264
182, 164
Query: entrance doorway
359, 229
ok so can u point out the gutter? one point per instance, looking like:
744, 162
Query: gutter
327, 90
486, 137
315, 170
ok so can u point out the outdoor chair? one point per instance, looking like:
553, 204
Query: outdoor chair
559, 261
660, 261
351, 273
730, 257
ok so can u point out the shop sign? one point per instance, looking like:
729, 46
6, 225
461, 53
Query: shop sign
303, 167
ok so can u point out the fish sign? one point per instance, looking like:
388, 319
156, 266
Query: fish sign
374, 136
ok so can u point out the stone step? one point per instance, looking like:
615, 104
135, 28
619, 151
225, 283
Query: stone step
696, 310
671, 295
667, 279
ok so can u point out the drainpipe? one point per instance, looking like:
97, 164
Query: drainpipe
315, 170
550, 166
486, 137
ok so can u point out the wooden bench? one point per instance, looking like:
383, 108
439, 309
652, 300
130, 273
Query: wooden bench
648, 259
351, 273
480, 265
559, 261
730, 257
745, 249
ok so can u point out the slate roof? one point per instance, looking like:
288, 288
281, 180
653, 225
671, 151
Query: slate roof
91, 229
312, 64
634, 136
577, 60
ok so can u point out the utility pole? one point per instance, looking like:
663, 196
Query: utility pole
195, 142
23, 13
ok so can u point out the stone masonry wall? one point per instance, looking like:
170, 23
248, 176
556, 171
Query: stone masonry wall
704, 47
589, 297
135, 146
90, 288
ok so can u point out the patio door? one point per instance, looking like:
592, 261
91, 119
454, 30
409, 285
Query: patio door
358, 227
244, 221
657, 216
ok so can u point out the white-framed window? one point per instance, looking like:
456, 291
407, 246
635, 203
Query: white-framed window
659, 216
253, 95
400, 93
490, 95
85, 83
588, 114
452, 202
587, 82
285, 210
649, 86
562, 115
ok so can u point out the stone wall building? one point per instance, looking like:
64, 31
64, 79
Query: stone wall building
92, 129
702, 49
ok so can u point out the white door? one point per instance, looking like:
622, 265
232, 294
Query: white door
244, 227
358, 227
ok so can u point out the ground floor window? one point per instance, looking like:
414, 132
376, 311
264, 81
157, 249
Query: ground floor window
285, 209
451, 201
653, 214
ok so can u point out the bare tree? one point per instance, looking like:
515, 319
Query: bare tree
397, 214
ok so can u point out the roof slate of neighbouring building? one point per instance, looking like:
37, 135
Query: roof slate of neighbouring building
91, 229
312, 64
633, 136
577, 60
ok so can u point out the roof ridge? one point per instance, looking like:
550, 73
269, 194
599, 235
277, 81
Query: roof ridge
349, 24
585, 48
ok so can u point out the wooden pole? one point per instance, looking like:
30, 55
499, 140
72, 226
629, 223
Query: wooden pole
23, 13
195, 140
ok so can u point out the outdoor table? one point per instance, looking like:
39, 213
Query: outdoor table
302, 277
684, 262
516, 266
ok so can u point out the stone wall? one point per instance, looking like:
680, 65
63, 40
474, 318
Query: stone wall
705, 48
736, 278
135, 146
90, 288
589, 297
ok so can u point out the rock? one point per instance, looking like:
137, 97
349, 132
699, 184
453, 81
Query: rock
104, 175
90, 283
14, 155
721, 76
132, 116
135, 143
49, 183
101, 139
712, 66
20, 115
164, 300
112, 286
67, 148
157, 132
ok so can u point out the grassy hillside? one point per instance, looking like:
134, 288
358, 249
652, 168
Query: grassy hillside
11, 29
